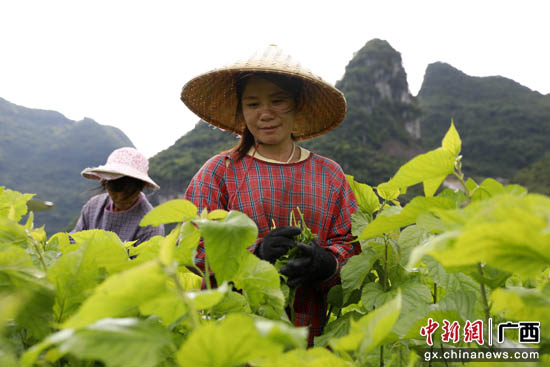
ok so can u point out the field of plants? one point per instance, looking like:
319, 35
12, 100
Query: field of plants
449, 269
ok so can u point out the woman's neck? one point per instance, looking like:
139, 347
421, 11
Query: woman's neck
282, 153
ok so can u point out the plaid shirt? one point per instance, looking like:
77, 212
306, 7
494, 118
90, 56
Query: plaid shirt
267, 192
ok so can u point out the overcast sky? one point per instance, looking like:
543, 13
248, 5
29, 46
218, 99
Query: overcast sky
123, 63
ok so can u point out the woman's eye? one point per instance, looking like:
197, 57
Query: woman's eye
252, 105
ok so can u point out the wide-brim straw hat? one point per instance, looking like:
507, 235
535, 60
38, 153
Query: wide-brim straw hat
122, 162
212, 95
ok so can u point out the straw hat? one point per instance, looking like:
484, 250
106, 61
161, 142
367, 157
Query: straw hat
212, 96
122, 162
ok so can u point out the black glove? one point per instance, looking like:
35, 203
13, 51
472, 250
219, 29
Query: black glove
277, 243
313, 264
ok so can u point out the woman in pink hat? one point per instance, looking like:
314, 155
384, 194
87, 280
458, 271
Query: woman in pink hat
272, 103
122, 204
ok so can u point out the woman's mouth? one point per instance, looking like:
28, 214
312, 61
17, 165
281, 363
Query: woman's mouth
269, 129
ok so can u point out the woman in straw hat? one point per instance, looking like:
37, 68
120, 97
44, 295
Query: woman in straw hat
122, 204
272, 102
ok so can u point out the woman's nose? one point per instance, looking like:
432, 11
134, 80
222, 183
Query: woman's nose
266, 112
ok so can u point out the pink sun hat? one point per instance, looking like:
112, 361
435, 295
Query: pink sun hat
122, 162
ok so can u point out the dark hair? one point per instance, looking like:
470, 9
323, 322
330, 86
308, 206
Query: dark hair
287, 83
129, 185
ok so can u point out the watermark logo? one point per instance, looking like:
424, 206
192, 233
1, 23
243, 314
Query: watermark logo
529, 331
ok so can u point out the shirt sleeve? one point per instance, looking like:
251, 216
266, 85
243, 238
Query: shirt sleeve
207, 188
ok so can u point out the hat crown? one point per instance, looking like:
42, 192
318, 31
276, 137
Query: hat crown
129, 157
273, 57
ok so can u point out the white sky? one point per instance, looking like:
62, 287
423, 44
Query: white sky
123, 63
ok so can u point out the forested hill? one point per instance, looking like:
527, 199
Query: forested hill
380, 132
43, 152
504, 126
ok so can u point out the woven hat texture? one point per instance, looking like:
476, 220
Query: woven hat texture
122, 162
212, 95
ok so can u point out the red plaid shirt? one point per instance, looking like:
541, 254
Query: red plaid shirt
267, 192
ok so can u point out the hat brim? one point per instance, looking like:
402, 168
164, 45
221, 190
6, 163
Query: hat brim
114, 171
212, 96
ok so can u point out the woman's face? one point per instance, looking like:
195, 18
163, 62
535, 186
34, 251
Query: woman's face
123, 193
268, 111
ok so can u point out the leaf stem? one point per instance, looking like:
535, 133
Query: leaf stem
486, 307
195, 320
207, 274
39, 253
460, 175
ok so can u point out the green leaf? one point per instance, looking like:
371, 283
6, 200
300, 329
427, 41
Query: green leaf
409, 238
451, 142
387, 191
451, 282
354, 272
492, 277
407, 216
488, 188
432, 184
232, 302
260, 283
115, 342
76, 273
12, 233
337, 328
204, 299
369, 332
19, 276
13, 204
465, 303
226, 242
314, 357
424, 167
367, 200
372, 295
121, 294
233, 342
457, 197
217, 214
359, 221
173, 211
102, 247
415, 296
168, 306
283, 333
189, 240
511, 246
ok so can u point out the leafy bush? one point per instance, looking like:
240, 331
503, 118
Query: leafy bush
478, 254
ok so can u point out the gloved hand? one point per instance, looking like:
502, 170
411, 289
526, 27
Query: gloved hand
277, 243
314, 264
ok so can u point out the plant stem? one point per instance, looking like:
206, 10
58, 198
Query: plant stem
195, 321
435, 293
386, 281
39, 252
207, 274
381, 356
484, 295
291, 297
